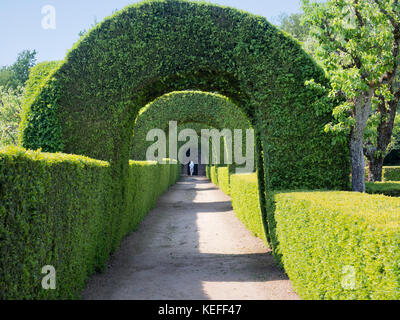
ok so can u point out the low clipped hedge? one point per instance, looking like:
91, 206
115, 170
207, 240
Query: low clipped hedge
390, 188
147, 181
391, 173
333, 245
244, 192
56, 209
224, 179
328, 238
214, 175
245, 201
208, 172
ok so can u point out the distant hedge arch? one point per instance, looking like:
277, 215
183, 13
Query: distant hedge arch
198, 126
89, 104
183, 107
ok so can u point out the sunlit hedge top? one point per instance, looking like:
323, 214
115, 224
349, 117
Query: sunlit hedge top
89, 105
38, 77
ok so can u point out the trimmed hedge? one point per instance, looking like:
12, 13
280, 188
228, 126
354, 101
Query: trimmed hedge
89, 104
198, 127
390, 188
123, 64
210, 109
391, 173
57, 209
214, 175
39, 75
246, 204
321, 238
224, 179
326, 237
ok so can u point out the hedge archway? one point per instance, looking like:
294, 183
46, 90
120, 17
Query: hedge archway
89, 104
198, 127
211, 109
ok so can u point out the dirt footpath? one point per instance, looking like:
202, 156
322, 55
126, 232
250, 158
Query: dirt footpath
191, 247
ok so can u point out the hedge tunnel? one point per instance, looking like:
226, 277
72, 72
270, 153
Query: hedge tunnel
198, 127
185, 107
88, 104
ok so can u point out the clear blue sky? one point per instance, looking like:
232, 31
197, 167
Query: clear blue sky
21, 22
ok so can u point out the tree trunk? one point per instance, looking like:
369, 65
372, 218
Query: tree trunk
376, 154
375, 168
362, 111
357, 163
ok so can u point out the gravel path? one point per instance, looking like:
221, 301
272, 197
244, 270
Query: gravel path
191, 247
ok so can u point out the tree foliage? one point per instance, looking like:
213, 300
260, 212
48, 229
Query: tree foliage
293, 25
18, 73
396, 134
357, 42
10, 115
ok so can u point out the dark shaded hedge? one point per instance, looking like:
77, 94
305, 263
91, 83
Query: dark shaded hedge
391, 188
208, 172
391, 173
57, 209
88, 106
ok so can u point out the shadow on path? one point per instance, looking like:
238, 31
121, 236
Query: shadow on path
191, 247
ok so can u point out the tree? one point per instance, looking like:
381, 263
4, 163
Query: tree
357, 43
25, 60
293, 25
393, 153
5, 76
18, 73
382, 137
10, 115
396, 134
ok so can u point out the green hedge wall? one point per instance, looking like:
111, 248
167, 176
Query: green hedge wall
224, 179
326, 238
57, 209
322, 238
391, 188
391, 173
245, 201
39, 80
147, 181
53, 211
214, 175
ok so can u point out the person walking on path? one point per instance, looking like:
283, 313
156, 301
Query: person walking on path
191, 167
